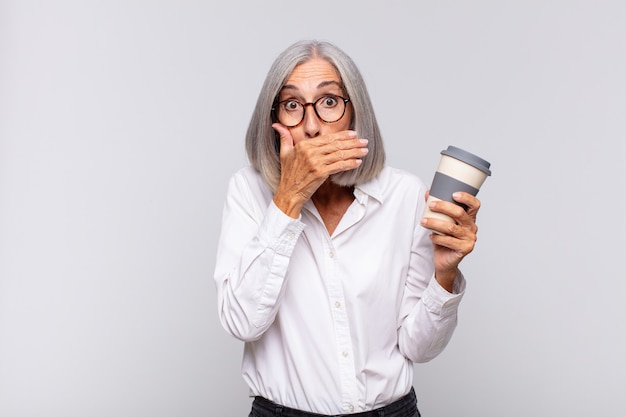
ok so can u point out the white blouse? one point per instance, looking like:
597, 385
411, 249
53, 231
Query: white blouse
332, 324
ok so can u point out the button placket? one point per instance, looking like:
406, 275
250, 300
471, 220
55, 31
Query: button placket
343, 341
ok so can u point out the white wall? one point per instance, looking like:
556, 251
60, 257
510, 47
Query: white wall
121, 121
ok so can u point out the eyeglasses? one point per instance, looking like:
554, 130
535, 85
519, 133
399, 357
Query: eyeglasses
328, 108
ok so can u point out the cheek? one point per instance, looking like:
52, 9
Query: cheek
344, 124
348, 118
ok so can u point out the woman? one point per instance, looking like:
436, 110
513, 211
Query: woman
325, 269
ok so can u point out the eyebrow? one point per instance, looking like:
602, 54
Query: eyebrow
320, 85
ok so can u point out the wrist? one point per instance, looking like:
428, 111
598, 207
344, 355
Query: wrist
290, 206
446, 279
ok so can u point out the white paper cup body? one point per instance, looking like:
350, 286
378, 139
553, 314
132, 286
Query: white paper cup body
461, 171
454, 175
435, 215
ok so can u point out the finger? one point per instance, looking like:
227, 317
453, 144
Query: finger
337, 137
336, 147
469, 201
447, 228
464, 225
445, 207
346, 155
343, 165
460, 247
359, 144
340, 140
286, 140
464, 215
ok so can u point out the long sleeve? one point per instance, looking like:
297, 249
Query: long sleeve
428, 312
255, 245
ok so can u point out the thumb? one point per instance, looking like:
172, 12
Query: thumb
286, 140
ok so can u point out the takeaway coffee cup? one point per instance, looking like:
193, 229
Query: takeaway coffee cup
458, 170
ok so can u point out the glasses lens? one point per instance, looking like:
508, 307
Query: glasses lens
289, 113
330, 108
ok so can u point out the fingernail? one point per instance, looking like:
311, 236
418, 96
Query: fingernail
351, 134
365, 150
456, 195
364, 141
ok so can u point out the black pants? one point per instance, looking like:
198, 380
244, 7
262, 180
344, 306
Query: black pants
404, 407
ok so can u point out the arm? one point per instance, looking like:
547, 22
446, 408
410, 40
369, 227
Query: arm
428, 311
435, 285
259, 231
255, 246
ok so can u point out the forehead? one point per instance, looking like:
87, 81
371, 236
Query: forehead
311, 73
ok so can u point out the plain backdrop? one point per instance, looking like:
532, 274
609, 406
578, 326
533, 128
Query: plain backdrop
121, 122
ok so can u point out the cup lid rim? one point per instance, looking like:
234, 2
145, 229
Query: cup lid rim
467, 157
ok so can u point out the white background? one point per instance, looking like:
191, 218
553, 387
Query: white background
121, 122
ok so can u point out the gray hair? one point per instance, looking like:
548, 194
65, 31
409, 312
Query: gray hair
262, 145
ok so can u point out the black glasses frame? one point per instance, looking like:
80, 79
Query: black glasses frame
314, 104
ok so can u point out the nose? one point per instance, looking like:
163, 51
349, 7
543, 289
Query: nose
311, 123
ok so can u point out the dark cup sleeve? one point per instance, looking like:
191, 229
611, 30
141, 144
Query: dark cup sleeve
444, 186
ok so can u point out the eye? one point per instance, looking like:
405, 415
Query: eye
329, 101
291, 105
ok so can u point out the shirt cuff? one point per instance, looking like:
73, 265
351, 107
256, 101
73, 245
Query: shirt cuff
279, 231
439, 301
